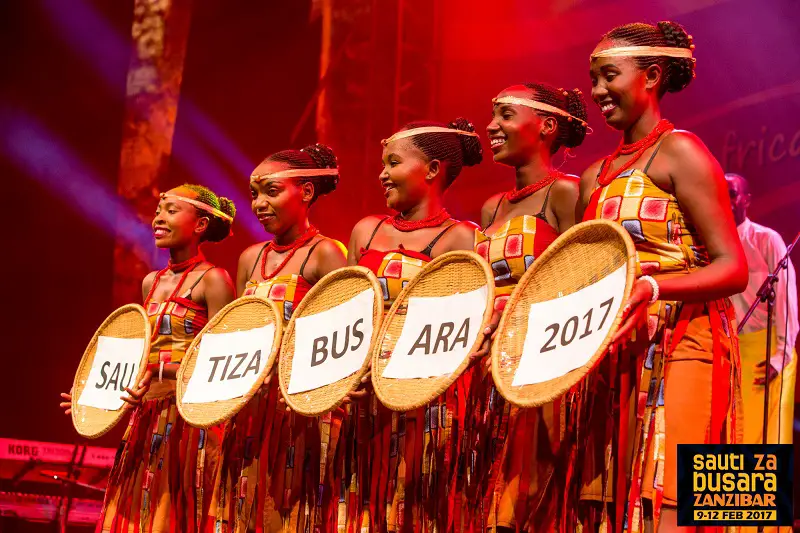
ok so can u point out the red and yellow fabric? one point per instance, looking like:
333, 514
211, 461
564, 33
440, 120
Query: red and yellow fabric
684, 387
394, 270
286, 291
512, 450
163, 468
271, 475
398, 470
512, 249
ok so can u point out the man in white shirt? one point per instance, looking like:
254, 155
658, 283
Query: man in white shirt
763, 248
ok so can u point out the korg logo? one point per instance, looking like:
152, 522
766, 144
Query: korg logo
24, 451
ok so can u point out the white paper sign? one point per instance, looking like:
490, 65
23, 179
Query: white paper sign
437, 335
228, 364
332, 345
115, 366
563, 334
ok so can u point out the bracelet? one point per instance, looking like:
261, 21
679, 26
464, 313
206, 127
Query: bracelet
654, 284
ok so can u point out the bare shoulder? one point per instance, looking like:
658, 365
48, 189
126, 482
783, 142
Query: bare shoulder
590, 174
568, 185
491, 204
458, 236
147, 283
490, 207
250, 253
690, 163
684, 143
217, 277
368, 223
364, 228
329, 248
464, 229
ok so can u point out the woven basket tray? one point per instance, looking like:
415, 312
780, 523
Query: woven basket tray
247, 312
335, 288
127, 322
448, 274
581, 256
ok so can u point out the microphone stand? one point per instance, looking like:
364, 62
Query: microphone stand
767, 294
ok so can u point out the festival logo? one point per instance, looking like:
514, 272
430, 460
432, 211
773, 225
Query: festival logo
735, 484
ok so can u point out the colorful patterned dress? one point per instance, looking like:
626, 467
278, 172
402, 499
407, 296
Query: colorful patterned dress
397, 468
163, 466
272, 470
512, 450
694, 344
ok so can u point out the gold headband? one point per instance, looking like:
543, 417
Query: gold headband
199, 205
645, 51
534, 104
297, 173
427, 129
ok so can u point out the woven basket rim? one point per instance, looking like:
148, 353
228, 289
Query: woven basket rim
85, 364
236, 403
286, 359
474, 260
532, 395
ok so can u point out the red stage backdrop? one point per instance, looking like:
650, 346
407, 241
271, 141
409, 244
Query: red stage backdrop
251, 81
744, 103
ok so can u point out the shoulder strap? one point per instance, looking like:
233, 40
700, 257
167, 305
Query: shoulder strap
543, 212
653, 156
255, 265
375, 231
428, 250
600, 170
186, 273
311, 251
496, 209
206, 271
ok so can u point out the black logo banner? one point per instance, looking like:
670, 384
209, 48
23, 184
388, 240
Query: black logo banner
735, 484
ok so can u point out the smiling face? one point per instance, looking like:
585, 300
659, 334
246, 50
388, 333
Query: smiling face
406, 175
621, 89
279, 203
177, 223
517, 132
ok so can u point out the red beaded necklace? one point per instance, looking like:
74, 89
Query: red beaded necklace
183, 265
432, 221
636, 148
515, 195
309, 234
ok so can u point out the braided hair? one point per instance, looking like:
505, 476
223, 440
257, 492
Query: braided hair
678, 71
218, 227
456, 151
311, 157
571, 132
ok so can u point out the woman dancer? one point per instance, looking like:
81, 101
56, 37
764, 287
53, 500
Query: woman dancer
419, 163
668, 191
261, 484
530, 123
163, 464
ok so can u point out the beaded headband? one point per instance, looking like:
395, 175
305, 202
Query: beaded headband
199, 205
534, 104
645, 51
296, 173
426, 129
